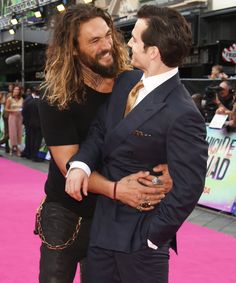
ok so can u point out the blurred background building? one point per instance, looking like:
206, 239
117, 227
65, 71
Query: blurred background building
25, 32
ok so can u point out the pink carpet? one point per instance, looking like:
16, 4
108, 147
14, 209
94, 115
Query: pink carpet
21, 190
205, 256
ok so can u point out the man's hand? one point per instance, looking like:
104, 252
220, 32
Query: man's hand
165, 180
77, 181
222, 110
131, 192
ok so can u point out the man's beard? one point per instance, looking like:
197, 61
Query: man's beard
109, 71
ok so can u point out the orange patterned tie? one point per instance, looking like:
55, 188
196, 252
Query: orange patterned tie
132, 97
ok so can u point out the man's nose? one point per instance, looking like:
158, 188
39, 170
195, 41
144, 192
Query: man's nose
106, 43
130, 43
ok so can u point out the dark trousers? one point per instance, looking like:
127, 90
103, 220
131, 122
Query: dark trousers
144, 266
26, 152
35, 140
58, 223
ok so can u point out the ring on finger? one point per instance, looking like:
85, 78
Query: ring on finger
145, 204
139, 207
156, 181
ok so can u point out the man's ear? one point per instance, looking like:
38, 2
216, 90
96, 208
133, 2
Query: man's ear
154, 52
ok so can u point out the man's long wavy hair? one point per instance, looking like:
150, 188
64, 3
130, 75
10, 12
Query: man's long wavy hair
63, 76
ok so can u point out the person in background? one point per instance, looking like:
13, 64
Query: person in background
226, 98
217, 73
197, 98
2, 99
13, 107
82, 63
26, 118
26, 92
227, 103
31, 120
5, 139
150, 119
232, 120
2, 102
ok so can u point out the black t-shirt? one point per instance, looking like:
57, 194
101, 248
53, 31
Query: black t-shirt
68, 127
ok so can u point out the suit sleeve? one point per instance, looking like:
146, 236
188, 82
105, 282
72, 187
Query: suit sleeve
91, 149
187, 152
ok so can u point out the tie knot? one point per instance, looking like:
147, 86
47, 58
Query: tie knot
136, 88
132, 97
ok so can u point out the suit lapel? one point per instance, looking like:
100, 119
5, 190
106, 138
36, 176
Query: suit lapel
148, 107
118, 100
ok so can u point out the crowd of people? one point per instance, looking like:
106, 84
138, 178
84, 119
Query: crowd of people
20, 115
219, 98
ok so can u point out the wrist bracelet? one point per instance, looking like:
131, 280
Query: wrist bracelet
114, 191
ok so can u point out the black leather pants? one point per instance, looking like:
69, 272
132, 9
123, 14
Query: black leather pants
58, 223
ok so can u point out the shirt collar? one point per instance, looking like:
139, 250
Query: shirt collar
150, 83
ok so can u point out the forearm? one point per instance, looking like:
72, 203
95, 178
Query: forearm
61, 155
8, 110
98, 184
128, 190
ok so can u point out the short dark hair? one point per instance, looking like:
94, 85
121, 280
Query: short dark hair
169, 31
229, 85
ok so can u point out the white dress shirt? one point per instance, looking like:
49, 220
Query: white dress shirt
150, 83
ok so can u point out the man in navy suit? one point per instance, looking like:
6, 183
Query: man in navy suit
161, 125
